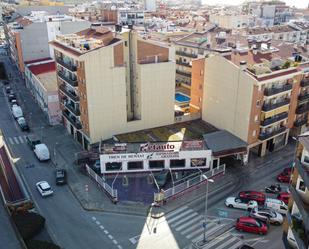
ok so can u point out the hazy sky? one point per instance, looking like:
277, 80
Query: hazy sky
297, 3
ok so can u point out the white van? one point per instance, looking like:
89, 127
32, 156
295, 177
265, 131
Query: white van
41, 151
16, 111
276, 205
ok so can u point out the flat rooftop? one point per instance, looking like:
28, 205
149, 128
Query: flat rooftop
48, 81
192, 130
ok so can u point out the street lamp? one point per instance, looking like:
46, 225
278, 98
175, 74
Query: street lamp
206, 202
55, 147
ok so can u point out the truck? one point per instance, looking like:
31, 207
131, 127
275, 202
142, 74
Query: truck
17, 111
41, 151
32, 141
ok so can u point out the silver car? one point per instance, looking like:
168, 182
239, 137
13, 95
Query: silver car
267, 214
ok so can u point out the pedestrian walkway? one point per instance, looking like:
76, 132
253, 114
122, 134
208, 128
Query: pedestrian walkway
17, 140
189, 224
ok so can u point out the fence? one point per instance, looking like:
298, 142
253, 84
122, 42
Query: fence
182, 187
109, 190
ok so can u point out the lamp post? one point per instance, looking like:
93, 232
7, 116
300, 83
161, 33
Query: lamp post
206, 204
55, 147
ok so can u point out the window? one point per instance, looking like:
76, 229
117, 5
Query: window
135, 165
301, 186
159, 164
113, 166
198, 162
306, 159
177, 163
126, 43
254, 133
258, 103
256, 118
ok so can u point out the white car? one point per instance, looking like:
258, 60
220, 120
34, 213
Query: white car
235, 202
267, 214
44, 188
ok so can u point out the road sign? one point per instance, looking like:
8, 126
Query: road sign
204, 224
223, 213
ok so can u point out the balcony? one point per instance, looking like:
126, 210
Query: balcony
69, 66
182, 53
303, 97
68, 93
275, 90
72, 82
304, 82
186, 74
266, 135
74, 121
302, 109
303, 170
272, 106
186, 64
73, 109
298, 231
274, 119
300, 122
302, 207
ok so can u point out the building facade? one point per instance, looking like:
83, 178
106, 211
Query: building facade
109, 83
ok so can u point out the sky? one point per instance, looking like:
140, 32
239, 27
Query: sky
296, 3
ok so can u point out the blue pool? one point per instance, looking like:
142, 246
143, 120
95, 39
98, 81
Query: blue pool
179, 97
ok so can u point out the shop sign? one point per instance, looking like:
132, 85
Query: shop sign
154, 147
192, 145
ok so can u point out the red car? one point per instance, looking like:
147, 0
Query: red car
259, 197
284, 196
284, 177
251, 225
287, 170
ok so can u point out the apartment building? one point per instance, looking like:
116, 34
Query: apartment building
296, 225
230, 21
112, 83
266, 86
20, 35
41, 80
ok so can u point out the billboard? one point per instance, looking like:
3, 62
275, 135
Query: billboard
154, 147
115, 148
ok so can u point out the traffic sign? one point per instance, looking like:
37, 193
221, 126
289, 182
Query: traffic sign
223, 213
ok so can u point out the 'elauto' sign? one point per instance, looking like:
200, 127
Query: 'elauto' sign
154, 147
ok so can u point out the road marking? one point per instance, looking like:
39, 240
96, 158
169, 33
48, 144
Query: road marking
135, 239
98, 222
21, 139
115, 242
101, 227
184, 219
179, 216
189, 223
227, 242
16, 140
94, 218
175, 212
110, 236
208, 231
105, 231
119, 247
11, 140
216, 240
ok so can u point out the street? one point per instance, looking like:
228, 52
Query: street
70, 226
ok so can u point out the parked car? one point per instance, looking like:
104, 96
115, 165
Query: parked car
251, 225
267, 215
291, 239
8, 89
235, 202
284, 177
287, 170
23, 124
13, 102
32, 141
5, 82
259, 197
17, 111
44, 188
11, 97
284, 196
61, 176
41, 151
274, 189
276, 205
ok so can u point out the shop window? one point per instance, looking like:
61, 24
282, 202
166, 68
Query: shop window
159, 164
177, 163
113, 166
135, 165
198, 162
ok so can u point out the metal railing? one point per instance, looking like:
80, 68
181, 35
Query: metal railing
177, 189
276, 90
267, 135
303, 97
186, 74
76, 123
70, 94
300, 122
72, 82
182, 63
272, 106
182, 53
69, 66
302, 109
304, 82
113, 194
274, 119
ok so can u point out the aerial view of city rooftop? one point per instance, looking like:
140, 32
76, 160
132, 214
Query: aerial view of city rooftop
153, 124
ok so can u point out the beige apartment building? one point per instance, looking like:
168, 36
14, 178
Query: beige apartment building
111, 83
259, 94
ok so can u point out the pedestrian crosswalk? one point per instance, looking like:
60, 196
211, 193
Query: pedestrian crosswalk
189, 224
17, 140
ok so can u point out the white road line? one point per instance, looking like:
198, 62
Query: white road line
200, 230
175, 212
115, 242
216, 241
21, 139
237, 245
179, 216
227, 242
192, 227
184, 219
208, 232
189, 223
16, 140
105, 231
11, 140
110, 236
94, 218
119, 247
101, 227
98, 222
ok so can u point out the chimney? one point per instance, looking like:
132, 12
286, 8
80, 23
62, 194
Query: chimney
243, 65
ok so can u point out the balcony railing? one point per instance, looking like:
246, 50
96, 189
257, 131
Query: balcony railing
303, 170
298, 231
300, 122
186, 64
68, 93
272, 91
75, 122
303, 97
304, 82
72, 82
272, 106
74, 110
69, 66
266, 135
302, 207
182, 53
302, 109
274, 119
187, 74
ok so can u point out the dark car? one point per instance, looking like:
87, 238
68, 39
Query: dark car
32, 141
11, 97
23, 124
8, 89
61, 176
259, 197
